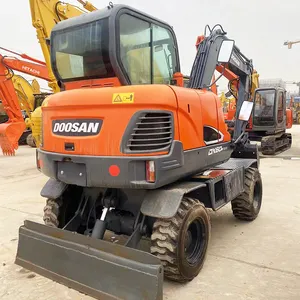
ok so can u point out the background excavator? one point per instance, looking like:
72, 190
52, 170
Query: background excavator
16, 95
132, 147
270, 117
30, 97
26, 92
45, 14
293, 103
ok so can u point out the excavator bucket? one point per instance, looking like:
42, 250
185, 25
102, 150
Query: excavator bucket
10, 133
98, 268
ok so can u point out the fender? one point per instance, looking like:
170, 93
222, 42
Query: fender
164, 202
53, 189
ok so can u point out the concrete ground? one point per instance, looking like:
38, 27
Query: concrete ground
258, 260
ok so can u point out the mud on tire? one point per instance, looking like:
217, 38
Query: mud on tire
181, 242
247, 205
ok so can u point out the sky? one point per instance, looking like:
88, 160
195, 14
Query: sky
259, 28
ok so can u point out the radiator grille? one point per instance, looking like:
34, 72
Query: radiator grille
152, 132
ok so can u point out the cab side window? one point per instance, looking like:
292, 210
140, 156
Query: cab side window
211, 135
164, 58
147, 51
135, 50
280, 107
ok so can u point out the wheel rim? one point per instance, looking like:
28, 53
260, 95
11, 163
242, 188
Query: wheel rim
257, 195
195, 241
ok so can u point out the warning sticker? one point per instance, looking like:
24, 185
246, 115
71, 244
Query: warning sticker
119, 98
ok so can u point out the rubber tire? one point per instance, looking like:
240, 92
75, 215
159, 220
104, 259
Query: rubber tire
58, 212
51, 213
30, 141
168, 236
243, 206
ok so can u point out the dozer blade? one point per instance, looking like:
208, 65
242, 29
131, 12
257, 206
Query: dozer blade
95, 267
10, 133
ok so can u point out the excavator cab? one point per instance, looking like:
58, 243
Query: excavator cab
270, 119
269, 109
136, 49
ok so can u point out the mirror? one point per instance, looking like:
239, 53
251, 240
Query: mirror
225, 51
246, 111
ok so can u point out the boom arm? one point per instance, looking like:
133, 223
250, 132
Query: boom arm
11, 131
45, 14
25, 56
8, 96
26, 67
25, 93
239, 65
16, 94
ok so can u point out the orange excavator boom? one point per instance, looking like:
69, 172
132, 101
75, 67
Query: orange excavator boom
25, 56
11, 131
30, 68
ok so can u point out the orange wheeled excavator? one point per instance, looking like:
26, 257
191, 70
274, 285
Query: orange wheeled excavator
133, 149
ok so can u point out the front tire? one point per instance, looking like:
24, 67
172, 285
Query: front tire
51, 213
247, 205
58, 212
181, 242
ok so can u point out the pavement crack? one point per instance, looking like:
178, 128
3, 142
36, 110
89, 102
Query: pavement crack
20, 211
257, 265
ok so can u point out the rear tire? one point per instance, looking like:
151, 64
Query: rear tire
247, 205
30, 141
181, 242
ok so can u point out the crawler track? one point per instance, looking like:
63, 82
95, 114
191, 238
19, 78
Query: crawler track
273, 145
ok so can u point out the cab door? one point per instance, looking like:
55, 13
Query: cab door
281, 110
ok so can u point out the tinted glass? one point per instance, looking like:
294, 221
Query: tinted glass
211, 135
147, 51
263, 112
280, 107
82, 52
135, 49
164, 58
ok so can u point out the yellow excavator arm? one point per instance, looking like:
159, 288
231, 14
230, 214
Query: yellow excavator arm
45, 14
25, 93
255, 83
87, 5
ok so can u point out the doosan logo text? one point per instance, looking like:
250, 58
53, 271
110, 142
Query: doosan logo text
76, 128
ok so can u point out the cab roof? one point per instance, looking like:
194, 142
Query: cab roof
107, 12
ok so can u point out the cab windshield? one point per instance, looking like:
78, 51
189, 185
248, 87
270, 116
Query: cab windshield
82, 52
263, 112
